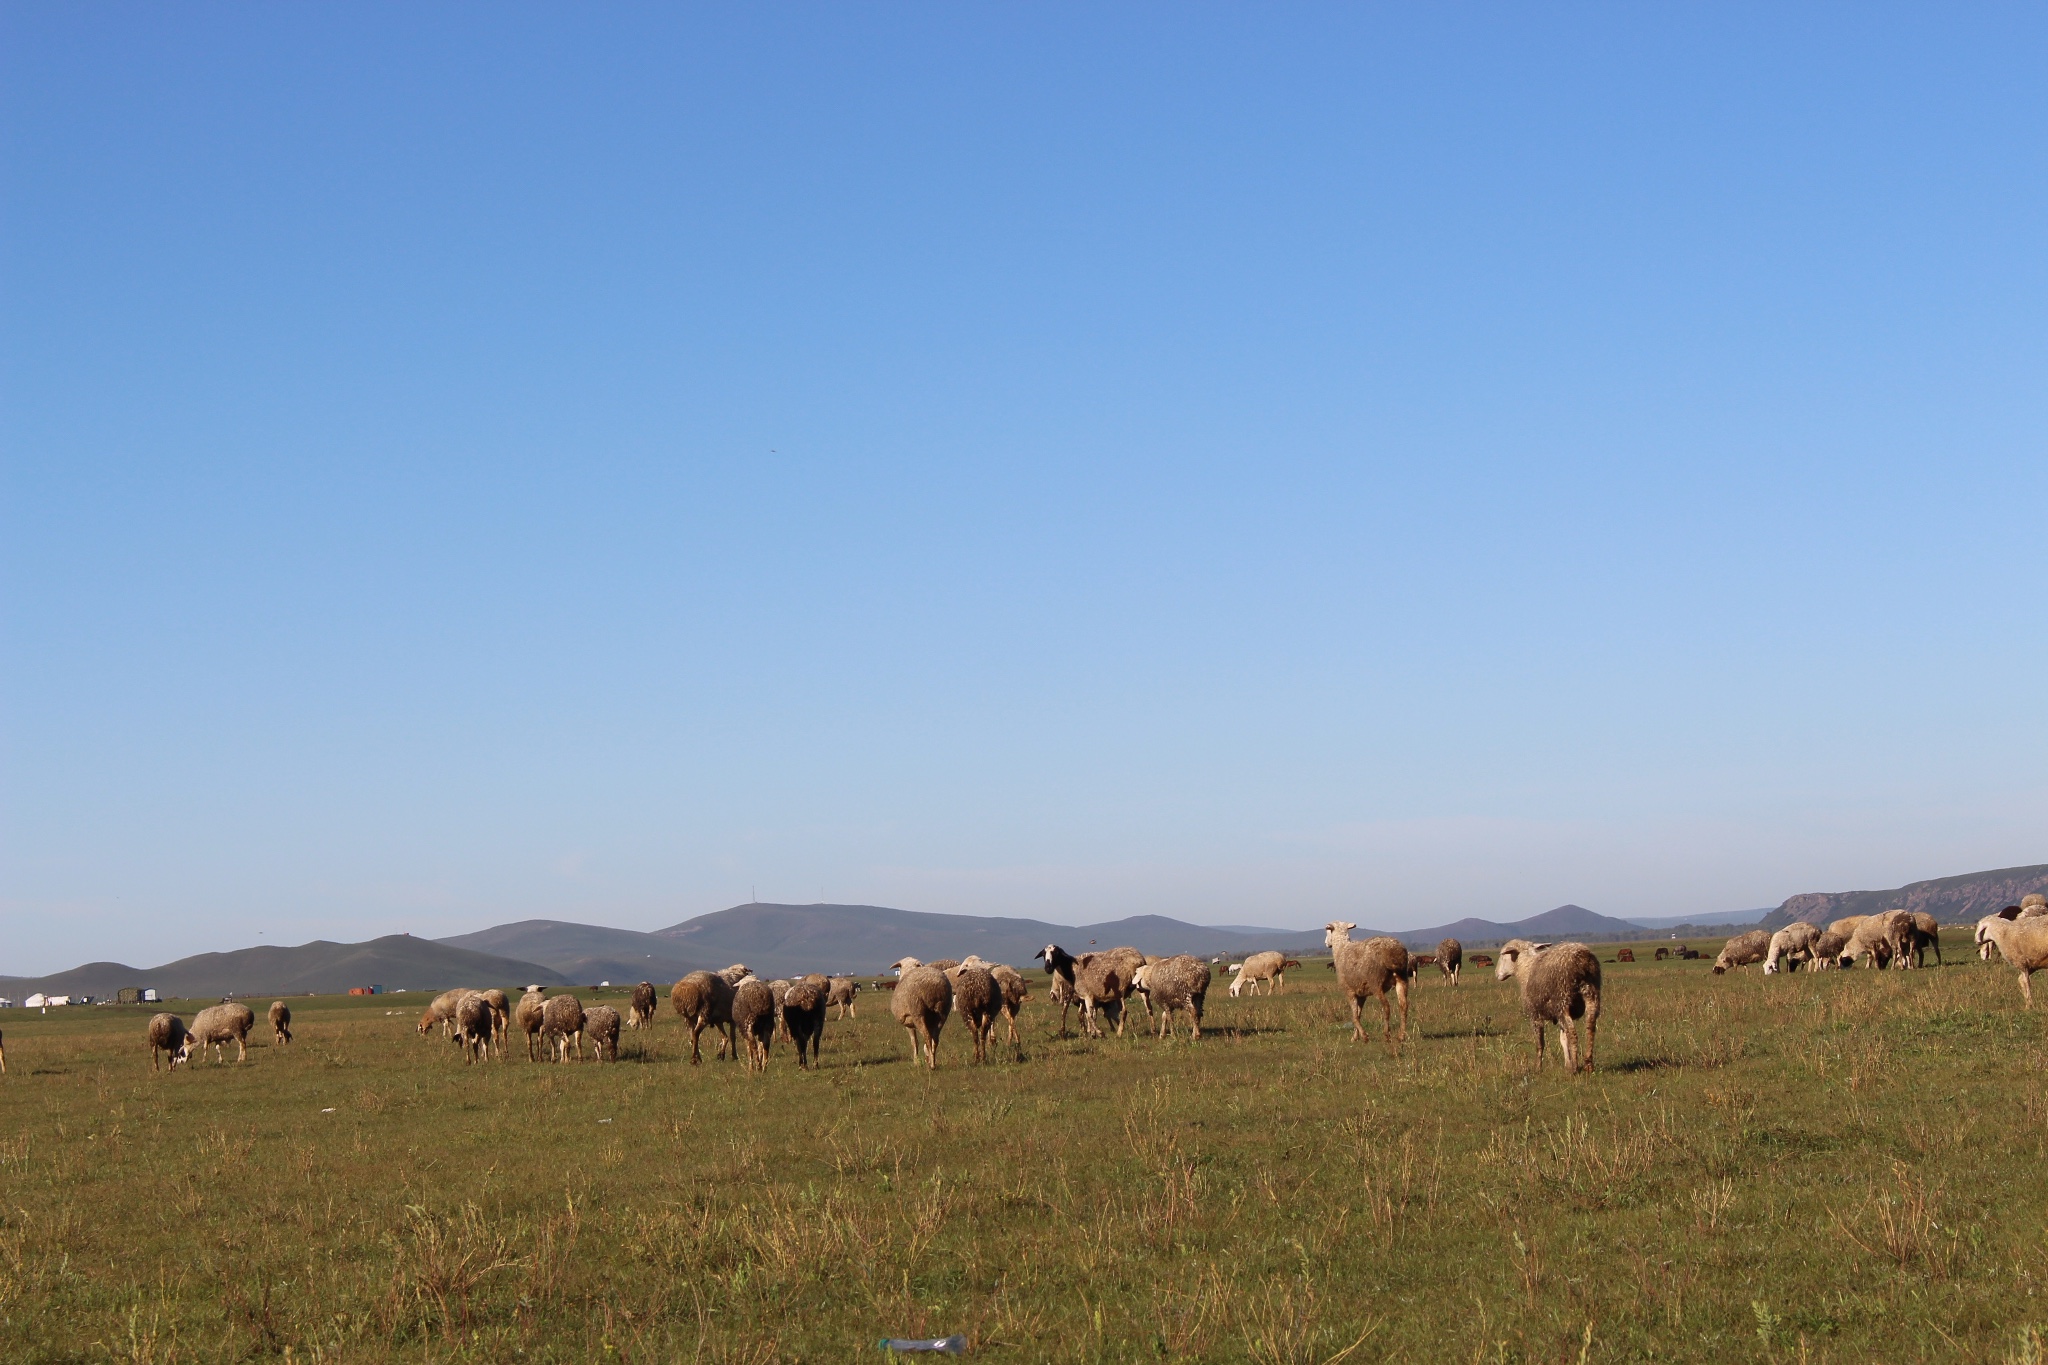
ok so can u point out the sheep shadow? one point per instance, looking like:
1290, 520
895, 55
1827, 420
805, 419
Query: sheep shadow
1477, 1031
1635, 1064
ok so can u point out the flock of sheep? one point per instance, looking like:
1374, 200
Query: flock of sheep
1559, 985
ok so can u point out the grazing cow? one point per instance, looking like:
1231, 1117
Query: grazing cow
1625, 955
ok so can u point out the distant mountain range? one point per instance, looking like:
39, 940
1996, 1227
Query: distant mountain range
1951, 900
780, 940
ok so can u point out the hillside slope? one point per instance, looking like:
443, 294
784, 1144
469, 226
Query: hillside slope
585, 952
1952, 900
397, 961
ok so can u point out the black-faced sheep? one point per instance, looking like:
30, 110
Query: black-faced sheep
1100, 982
1560, 983
922, 999
1450, 956
216, 1025
753, 1014
2023, 943
1176, 983
1743, 949
167, 1035
531, 1007
1373, 967
601, 1027
704, 1000
803, 1013
561, 1022
640, 1014
280, 1023
1790, 946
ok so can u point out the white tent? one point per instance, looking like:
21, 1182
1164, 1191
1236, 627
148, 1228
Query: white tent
36, 1001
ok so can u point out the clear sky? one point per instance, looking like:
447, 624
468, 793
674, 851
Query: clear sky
1249, 463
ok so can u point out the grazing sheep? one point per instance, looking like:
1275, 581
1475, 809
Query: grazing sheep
841, 993
1560, 982
427, 1021
601, 1027
167, 1034
1828, 950
475, 1025
1450, 956
978, 1000
753, 1014
1100, 982
1846, 927
561, 1020
1925, 934
2022, 943
1791, 945
532, 1006
216, 1024
501, 1017
704, 1000
1269, 967
1372, 967
280, 1023
1880, 938
1176, 983
1742, 950
640, 1014
922, 999
442, 1011
803, 1013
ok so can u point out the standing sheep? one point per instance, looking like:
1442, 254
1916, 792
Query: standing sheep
167, 1034
978, 1000
280, 1023
601, 1027
1100, 981
476, 1024
1792, 944
561, 1020
2022, 943
921, 1001
1016, 990
1450, 956
803, 1014
1269, 967
753, 1014
1884, 939
704, 1000
217, 1024
1560, 983
1925, 933
501, 1017
1370, 968
640, 1014
442, 1011
532, 1006
1060, 991
841, 993
1743, 949
1176, 983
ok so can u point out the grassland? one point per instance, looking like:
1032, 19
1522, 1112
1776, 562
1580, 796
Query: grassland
1842, 1167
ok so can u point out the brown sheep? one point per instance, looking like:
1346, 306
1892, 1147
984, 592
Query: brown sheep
803, 1014
1176, 983
475, 1026
1925, 934
1100, 982
216, 1024
978, 1000
280, 1023
532, 1006
1450, 956
2023, 943
922, 999
1016, 990
1625, 955
704, 1000
1743, 950
640, 1014
601, 1027
1373, 967
561, 1021
167, 1034
1828, 950
1560, 983
753, 1014
841, 993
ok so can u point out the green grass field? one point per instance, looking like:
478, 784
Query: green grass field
1842, 1167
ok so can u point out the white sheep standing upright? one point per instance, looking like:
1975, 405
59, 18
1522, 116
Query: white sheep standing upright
2023, 943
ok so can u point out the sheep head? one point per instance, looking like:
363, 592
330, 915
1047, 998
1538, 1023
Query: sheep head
1513, 954
904, 965
1337, 931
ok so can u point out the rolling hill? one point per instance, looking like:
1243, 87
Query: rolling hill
586, 952
397, 961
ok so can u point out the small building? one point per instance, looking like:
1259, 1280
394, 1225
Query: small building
132, 995
366, 990
36, 1001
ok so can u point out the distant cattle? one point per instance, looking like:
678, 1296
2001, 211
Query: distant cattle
1663, 953
1481, 960
1625, 955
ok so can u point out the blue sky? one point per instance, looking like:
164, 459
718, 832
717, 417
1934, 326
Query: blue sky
1247, 464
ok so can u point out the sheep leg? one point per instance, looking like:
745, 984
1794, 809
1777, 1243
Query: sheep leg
1357, 1012
1194, 1022
2027, 985
1401, 992
1567, 1043
1538, 1026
